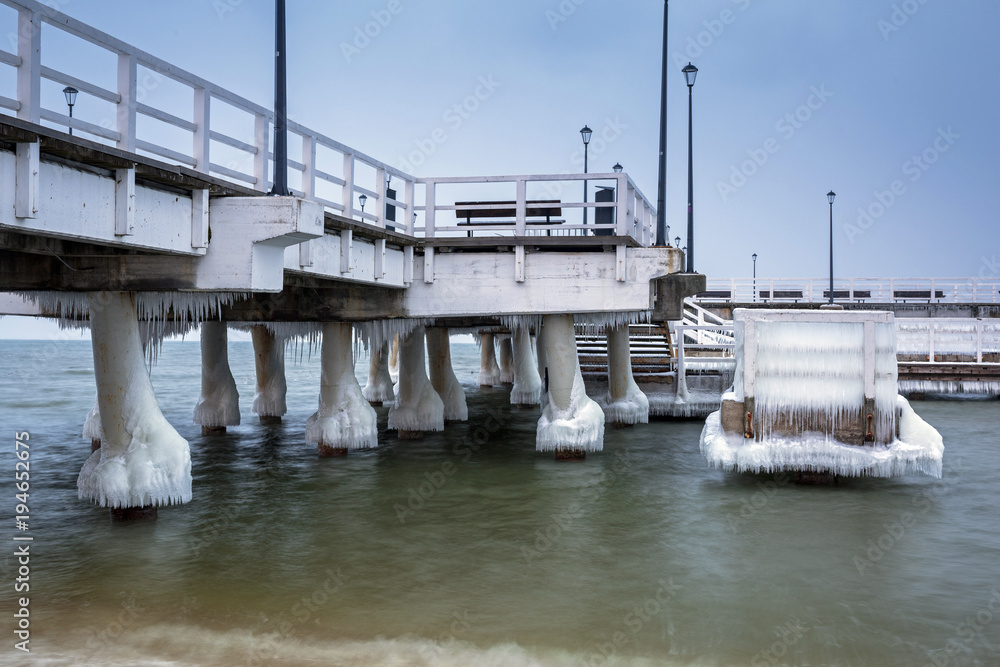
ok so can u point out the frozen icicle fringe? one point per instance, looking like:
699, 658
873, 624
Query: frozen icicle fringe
514, 322
381, 331
142, 460
344, 420
379, 387
92, 426
601, 322
948, 387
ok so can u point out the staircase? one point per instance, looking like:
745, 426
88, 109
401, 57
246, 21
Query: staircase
652, 353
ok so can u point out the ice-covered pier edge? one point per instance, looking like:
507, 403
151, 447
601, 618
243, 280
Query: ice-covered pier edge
816, 391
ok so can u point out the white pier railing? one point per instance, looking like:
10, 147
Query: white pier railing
947, 339
214, 131
852, 290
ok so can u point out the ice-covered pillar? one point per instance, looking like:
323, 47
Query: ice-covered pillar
418, 408
219, 405
443, 377
142, 462
269, 358
571, 423
543, 371
394, 360
379, 391
92, 426
626, 404
527, 389
345, 420
489, 371
506, 360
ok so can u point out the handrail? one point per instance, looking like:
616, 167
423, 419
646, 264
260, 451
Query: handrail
852, 290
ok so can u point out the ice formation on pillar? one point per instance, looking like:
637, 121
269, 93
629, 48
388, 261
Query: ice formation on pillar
506, 360
418, 407
625, 403
92, 426
809, 408
379, 387
570, 419
527, 389
394, 360
443, 377
345, 420
269, 357
142, 460
219, 404
489, 371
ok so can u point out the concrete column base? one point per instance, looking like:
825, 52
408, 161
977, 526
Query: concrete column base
269, 419
213, 430
327, 452
810, 478
410, 435
95, 444
133, 513
570, 455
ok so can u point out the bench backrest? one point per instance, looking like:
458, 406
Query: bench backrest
541, 208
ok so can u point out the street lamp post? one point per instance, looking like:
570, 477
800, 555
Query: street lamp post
280, 186
70, 93
585, 133
754, 276
690, 74
831, 195
663, 232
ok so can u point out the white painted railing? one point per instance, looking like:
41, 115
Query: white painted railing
936, 338
852, 290
632, 214
336, 186
688, 339
328, 171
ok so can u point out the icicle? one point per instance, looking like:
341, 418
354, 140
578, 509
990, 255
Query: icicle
948, 387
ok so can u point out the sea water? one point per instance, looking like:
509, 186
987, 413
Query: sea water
469, 548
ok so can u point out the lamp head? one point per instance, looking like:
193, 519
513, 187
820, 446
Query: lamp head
586, 133
755, 257
617, 168
690, 73
831, 195
70, 92
363, 199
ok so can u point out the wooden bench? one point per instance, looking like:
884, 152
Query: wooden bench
494, 217
782, 294
917, 294
715, 294
847, 294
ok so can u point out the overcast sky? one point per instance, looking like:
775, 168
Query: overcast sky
891, 103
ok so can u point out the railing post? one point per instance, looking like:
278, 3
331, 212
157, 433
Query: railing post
309, 162
380, 195
520, 225
626, 205
979, 341
348, 194
429, 209
261, 133
930, 340
202, 133
127, 67
29, 74
410, 209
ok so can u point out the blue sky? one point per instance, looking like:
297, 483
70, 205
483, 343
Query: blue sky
891, 103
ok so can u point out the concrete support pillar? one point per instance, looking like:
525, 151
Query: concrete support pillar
92, 426
269, 358
625, 403
345, 420
142, 462
443, 377
418, 407
506, 358
489, 371
571, 423
219, 405
379, 391
527, 389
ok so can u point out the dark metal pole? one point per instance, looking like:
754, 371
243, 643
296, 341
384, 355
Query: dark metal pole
71, 115
690, 239
661, 188
586, 150
831, 252
755, 277
280, 187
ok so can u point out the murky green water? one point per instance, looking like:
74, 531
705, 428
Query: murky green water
468, 548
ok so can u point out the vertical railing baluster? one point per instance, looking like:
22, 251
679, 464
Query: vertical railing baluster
202, 132
261, 139
29, 74
127, 75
